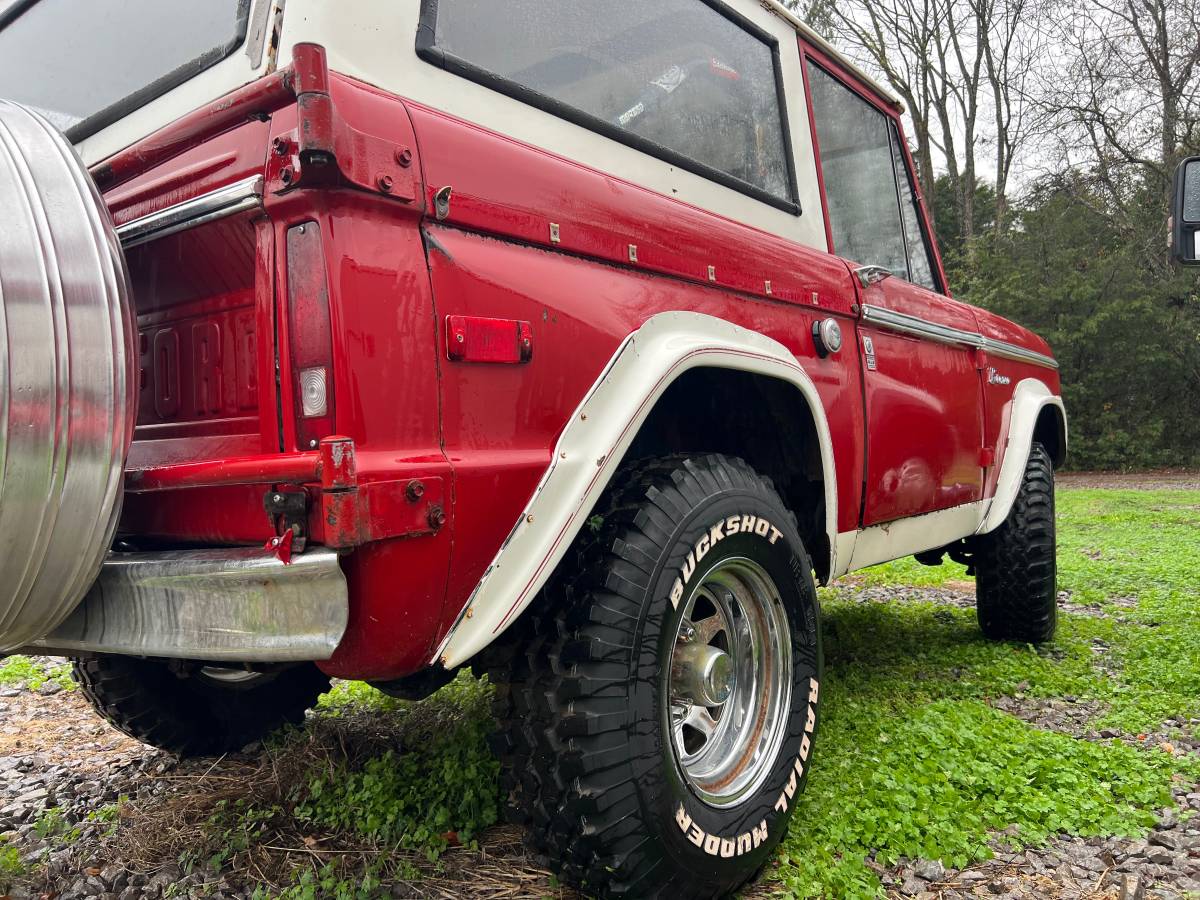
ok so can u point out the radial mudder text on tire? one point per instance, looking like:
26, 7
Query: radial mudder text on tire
658, 715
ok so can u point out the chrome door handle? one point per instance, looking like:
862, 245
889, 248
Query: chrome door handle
869, 275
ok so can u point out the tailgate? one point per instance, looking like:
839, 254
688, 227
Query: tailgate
199, 254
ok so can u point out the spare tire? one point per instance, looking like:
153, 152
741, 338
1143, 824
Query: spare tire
67, 387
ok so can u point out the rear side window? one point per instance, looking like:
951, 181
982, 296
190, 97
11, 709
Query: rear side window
873, 217
688, 81
84, 65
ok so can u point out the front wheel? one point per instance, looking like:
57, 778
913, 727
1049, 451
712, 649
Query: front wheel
658, 711
1016, 574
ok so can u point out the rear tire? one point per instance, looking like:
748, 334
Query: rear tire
191, 710
633, 780
1016, 571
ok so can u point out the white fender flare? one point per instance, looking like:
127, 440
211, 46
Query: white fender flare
594, 442
1030, 397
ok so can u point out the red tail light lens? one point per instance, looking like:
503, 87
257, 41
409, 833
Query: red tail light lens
310, 335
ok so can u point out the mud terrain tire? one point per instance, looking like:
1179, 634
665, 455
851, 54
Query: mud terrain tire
68, 399
185, 711
1016, 572
593, 735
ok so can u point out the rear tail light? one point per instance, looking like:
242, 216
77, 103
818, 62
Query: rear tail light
314, 393
310, 335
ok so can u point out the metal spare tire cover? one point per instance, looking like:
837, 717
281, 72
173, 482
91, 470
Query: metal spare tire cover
67, 388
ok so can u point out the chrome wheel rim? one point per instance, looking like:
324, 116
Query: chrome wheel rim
730, 682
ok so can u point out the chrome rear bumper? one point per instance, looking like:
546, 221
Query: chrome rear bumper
213, 605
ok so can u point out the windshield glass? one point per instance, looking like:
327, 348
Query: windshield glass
85, 64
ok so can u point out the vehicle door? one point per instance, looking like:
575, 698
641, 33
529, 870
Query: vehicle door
921, 383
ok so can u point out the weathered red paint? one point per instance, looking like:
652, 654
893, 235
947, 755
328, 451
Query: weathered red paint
338, 468
923, 408
325, 149
476, 437
252, 101
291, 468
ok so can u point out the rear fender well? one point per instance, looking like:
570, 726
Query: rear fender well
762, 419
601, 434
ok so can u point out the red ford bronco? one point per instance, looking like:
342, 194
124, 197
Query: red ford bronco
573, 342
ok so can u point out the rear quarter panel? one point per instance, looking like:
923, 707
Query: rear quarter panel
493, 256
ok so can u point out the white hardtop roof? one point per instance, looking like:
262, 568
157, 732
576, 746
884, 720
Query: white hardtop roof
814, 38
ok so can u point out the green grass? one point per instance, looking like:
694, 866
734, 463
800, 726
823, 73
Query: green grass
11, 866
371, 802
911, 761
51, 825
16, 669
347, 696
445, 784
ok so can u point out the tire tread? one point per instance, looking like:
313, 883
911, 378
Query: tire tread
561, 685
1016, 575
145, 700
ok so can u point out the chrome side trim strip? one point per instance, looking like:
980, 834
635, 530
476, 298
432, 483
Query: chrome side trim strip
213, 605
226, 201
1020, 354
957, 337
912, 325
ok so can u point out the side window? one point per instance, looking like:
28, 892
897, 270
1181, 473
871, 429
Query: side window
688, 81
920, 265
86, 65
873, 217
860, 180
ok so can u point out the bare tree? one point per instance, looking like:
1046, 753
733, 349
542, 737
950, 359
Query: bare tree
1132, 86
927, 52
1014, 47
899, 38
956, 64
